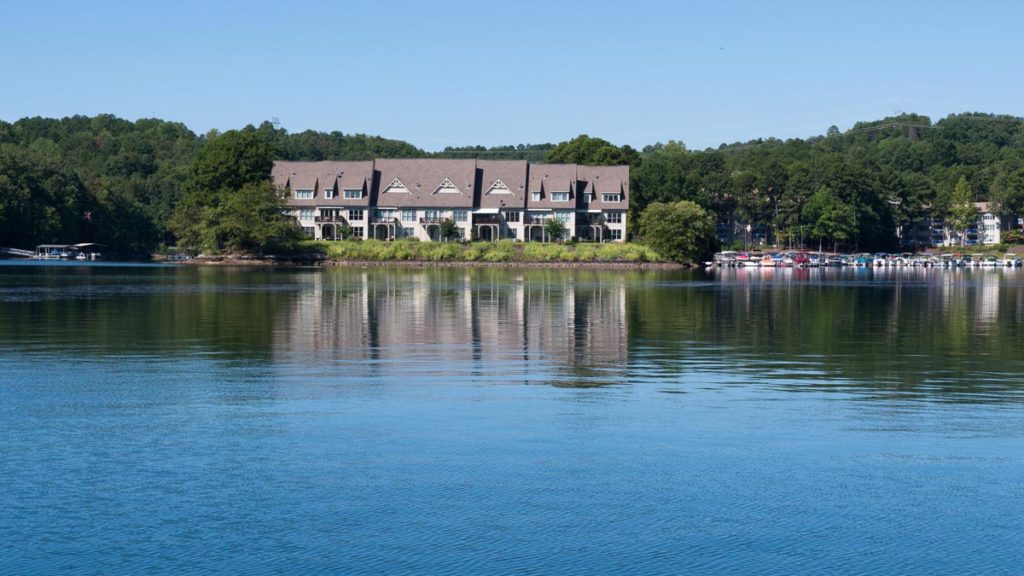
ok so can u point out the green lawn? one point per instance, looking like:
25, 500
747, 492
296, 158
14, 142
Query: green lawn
502, 251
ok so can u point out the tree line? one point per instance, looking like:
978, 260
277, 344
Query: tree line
136, 185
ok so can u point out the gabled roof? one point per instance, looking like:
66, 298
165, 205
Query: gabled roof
601, 180
511, 173
422, 177
548, 178
328, 174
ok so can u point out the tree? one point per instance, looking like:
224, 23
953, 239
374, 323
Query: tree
555, 229
832, 218
229, 201
584, 149
961, 211
252, 220
681, 231
1008, 192
449, 230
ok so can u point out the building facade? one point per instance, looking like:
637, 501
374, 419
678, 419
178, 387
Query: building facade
388, 199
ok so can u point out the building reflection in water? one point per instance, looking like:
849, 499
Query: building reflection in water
530, 326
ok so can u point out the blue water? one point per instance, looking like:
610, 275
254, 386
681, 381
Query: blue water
182, 420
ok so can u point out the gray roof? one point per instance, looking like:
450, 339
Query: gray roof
319, 176
511, 173
548, 178
422, 178
472, 180
600, 180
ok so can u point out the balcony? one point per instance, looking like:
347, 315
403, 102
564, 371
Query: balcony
392, 219
330, 220
488, 219
535, 219
424, 220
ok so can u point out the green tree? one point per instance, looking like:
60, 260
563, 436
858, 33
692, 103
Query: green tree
584, 149
229, 201
832, 217
681, 231
1008, 192
962, 213
555, 229
252, 220
448, 230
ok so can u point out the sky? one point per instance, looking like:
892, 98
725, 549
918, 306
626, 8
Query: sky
457, 73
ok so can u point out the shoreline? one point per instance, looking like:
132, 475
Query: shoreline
334, 263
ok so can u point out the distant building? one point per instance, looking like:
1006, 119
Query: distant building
389, 199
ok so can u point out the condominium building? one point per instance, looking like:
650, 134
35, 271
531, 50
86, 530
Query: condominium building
389, 199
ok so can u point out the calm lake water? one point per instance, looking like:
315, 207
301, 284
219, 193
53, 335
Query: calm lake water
210, 420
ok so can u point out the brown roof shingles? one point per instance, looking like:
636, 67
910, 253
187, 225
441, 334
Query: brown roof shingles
422, 177
472, 178
319, 176
601, 180
549, 178
511, 173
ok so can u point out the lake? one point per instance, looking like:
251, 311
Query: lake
162, 419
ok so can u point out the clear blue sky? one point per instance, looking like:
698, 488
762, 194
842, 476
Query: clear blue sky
458, 73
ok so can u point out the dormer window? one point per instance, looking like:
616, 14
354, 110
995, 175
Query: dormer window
353, 194
328, 193
304, 194
535, 196
611, 197
559, 196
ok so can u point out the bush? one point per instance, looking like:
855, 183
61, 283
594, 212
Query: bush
681, 231
1012, 237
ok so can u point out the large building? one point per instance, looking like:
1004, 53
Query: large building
389, 199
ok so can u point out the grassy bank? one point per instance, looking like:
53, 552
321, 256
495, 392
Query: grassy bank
503, 251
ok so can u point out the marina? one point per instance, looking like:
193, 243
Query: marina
731, 259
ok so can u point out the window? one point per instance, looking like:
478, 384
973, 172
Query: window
408, 215
614, 235
308, 231
408, 232
353, 194
613, 217
306, 213
433, 215
611, 197
303, 194
585, 198
355, 214
563, 215
535, 196
357, 232
460, 215
559, 196
384, 214
511, 216
328, 193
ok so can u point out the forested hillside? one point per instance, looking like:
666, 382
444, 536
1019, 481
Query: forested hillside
117, 182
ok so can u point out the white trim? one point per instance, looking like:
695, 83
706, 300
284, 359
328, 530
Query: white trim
447, 187
498, 187
486, 211
395, 187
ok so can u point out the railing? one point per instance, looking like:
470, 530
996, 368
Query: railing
383, 220
536, 219
330, 220
432, 219
487, 219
